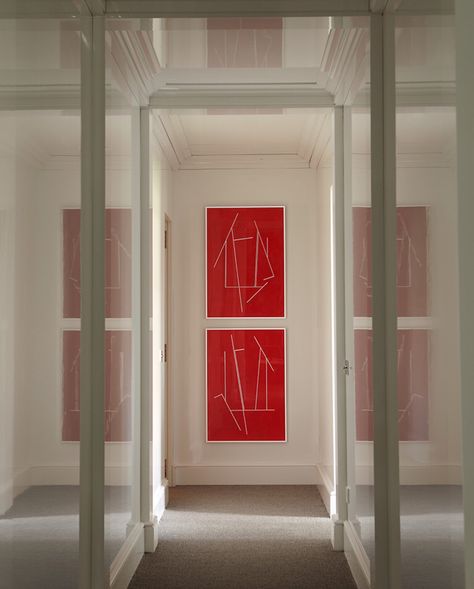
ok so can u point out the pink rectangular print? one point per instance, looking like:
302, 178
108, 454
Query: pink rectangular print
412, 389
412, 261
118, 386
246, 391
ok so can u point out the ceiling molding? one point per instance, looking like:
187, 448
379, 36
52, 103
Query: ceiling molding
322, 141
245, 162
241, 97
416, 94
16, 9
205, 8
377, 6
95, 7
160, 134
361, 161
345, 61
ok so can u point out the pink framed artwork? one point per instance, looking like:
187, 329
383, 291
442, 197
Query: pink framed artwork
118, 263
245, 261
246, 385
412, 260
413, 384
245, 42
118, 384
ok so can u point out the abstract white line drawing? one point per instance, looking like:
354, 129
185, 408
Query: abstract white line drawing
243, 410
261, 263
406, 255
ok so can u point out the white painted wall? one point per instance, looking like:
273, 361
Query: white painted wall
162, 186
194, 460
325, 180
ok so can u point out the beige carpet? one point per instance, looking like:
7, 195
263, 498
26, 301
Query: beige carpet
265, 537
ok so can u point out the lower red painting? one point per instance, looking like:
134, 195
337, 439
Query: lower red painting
246, 385
118, 385
412, 386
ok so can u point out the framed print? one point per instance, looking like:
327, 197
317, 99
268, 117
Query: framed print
118, 263
245, 262
412, 261
118, 386
246, 385
412, 385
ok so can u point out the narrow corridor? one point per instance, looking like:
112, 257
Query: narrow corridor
265, 537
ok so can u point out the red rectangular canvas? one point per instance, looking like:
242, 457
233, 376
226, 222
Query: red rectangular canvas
245, 261
413, 382
118, 263
118, 386
412, 258
246, 398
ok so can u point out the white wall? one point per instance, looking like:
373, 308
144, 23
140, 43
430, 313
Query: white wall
194, 460
325, 180
162, 187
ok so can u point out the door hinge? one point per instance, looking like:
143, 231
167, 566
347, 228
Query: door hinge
347, 367
166, 353
166, 469
166, 239
348, 495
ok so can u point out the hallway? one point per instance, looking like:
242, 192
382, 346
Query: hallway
265, 537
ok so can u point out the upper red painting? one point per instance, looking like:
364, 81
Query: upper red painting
245, 261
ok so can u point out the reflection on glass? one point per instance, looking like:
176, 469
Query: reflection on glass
40, 171
428, 374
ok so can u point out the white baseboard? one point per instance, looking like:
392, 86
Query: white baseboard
307, 474
327, 491
356, 557
69, 475
424, 474
17, 483
128, 558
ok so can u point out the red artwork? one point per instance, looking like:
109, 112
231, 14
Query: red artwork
118, 263
245, 261
412, 256
118, 383
246, 400
244, 42
413, 381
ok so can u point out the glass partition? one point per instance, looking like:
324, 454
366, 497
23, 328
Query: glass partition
427, 299
40, 142
122, 321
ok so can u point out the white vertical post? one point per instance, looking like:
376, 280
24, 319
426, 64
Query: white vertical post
465, 165
136, 314
384, 321
146, 469
91, 542
349, 314
340, 438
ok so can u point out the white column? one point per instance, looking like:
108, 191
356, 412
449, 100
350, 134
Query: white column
384, 257
340, 437
91, 543
465, 155
146, 440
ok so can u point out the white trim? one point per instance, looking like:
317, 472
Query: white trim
203, 8
356, 557
263, 474
384, 366
285, 294
424, 474
283, 329
326, 490
92, 448
128, 558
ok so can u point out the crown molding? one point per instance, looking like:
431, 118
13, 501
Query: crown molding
205, 8
245, 162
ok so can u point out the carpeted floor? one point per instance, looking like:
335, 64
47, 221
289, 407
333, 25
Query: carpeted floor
39, 536
265, 537
432, 534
